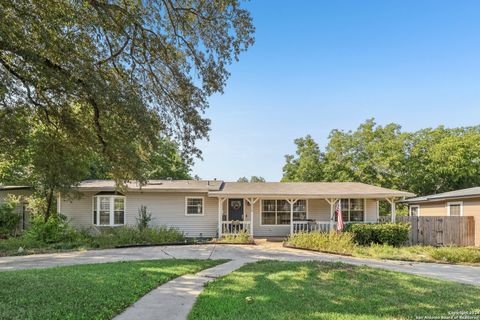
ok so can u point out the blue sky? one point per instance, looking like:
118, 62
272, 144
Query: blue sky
323, 65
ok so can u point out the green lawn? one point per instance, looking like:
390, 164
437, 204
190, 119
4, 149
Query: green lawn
96, 291
316, 290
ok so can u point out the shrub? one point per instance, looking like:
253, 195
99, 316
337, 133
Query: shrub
121, 236
55, 230
394, 234
144, 218
241, 237
328, 242
9, 219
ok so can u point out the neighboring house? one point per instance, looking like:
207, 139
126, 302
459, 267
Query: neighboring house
212, 208
465, 202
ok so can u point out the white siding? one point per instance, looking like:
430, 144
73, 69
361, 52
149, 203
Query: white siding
78, 211
167, 209
372, 210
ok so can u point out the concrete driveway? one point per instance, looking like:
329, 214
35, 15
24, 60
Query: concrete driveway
273, 251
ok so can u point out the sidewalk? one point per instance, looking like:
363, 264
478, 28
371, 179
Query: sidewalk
174, 300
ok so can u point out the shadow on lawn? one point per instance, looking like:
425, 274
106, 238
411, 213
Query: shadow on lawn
306, 290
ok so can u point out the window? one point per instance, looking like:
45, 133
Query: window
455, 208
108, 210
300, 210
415, 211
194, 206
277, 212
353, 210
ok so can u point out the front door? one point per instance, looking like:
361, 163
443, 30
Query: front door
235, 209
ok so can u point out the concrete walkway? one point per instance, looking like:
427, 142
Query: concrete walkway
175, 299
273, 251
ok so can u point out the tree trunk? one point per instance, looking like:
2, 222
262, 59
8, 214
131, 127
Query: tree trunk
49, 204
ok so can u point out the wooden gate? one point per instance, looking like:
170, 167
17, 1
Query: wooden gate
441, 231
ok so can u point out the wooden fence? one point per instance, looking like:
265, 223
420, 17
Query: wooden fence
440, 231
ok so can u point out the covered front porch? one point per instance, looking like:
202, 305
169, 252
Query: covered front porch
271, 209
283, 216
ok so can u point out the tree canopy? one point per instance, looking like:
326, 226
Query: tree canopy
252, 179
110, 81
427, 161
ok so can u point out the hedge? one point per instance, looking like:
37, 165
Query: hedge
394, 234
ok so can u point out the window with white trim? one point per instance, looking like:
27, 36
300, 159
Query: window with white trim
455, 209
353, 210
277, 212
414, 210
194, 206
108, 210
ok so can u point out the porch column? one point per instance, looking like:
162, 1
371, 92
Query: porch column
292, 202
394, 212
220, 215
331, 202
252, 202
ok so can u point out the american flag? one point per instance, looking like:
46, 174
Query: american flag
338, 212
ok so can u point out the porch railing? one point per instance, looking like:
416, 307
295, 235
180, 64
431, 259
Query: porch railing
235, 227
313, 226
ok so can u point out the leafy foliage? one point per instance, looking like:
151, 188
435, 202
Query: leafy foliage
56, 235
241, 237
144, 218
344, 244
54, 230
332, 242
85, 82
394, 234
308, 164
424, 162
9, 219
126, 236
252, 179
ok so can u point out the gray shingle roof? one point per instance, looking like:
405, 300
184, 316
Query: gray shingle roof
307, 189
218, 188
462, 193
154, 185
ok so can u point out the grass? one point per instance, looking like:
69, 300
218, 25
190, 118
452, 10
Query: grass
320, 290
343, 244
96, 291
459, 255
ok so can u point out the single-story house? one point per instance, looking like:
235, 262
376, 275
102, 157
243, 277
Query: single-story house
209, 208
464, 202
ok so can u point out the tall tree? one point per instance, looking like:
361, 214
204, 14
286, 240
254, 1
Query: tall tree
110, 80
371, 154
164, 163
308, 165
443, 159
424, 162
252, 179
